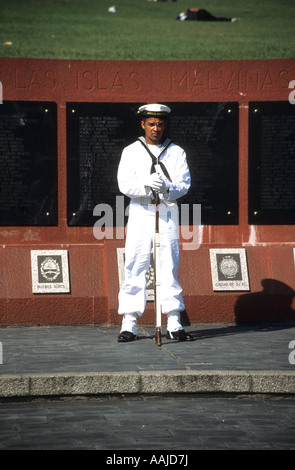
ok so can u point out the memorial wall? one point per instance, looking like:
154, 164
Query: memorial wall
63, 125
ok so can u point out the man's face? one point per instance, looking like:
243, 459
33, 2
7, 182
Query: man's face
154, 129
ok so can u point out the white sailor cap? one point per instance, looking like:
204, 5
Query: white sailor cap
152, 110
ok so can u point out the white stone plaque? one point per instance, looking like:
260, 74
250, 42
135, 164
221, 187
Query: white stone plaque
50, 271
229, 269
149, 277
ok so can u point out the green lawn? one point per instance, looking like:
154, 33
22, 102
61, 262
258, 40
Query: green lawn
143, 30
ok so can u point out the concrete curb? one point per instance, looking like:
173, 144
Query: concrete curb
147, 382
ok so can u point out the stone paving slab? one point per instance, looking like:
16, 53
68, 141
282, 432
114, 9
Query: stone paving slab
141, 425
78, 360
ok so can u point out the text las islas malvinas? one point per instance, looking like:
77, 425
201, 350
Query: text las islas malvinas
154, 459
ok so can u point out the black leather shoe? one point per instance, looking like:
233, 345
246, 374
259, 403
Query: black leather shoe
126, 337
179, 335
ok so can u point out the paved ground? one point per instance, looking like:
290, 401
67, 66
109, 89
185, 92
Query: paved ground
70, 349
172, 423
132, 420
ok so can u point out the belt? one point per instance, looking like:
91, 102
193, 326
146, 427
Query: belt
145, 200
148, 200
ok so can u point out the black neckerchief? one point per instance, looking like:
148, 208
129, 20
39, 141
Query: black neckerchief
155, 160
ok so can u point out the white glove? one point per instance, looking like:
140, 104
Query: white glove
156, 183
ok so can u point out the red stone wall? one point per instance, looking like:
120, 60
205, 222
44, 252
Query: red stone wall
93, 263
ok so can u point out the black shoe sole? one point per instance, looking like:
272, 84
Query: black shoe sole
126, 337
179, 335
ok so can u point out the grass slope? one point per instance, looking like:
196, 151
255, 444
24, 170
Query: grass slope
143, 30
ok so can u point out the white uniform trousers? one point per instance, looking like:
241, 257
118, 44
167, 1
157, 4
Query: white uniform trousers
140, 236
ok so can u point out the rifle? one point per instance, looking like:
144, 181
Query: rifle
156, 273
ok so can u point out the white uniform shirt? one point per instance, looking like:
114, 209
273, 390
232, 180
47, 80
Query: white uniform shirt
135, 166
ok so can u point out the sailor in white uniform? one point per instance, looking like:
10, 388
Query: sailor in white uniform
152, 164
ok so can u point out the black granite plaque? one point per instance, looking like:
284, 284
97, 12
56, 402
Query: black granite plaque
98, 132
28, 163
96, 136
271, 163
209, 134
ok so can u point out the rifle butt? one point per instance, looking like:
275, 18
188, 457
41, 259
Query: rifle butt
158, 336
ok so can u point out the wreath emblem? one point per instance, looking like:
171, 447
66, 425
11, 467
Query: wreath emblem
50, 269
229, 267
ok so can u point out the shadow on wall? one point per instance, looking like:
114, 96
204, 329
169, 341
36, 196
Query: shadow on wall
268, 310
273, 304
